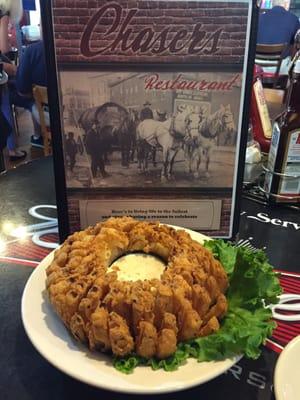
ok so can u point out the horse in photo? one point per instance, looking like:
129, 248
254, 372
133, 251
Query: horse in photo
116, 126
145, 151
112, 115
132, 132
164, 135
202, 136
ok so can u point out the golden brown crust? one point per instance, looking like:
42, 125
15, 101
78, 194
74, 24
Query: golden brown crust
121, 341
149, 317
146, 339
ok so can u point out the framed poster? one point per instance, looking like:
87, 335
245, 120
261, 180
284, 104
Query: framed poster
150, 109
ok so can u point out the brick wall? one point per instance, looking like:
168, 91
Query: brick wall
74, 216
72, 16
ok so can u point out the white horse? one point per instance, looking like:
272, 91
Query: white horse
202, 136
168, 135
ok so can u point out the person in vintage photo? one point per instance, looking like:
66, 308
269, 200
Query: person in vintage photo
71, 150
146, 112
95, 145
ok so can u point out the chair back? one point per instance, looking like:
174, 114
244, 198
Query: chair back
271, 55
40, 95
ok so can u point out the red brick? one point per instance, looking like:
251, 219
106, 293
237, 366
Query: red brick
83, 20
93, 4
238, 35
237, 51
59, 3
178, 15
67, 20
81, 3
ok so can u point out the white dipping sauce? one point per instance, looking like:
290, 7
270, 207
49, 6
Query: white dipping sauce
134, 267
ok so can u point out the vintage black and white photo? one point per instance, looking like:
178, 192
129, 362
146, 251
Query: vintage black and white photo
150, 129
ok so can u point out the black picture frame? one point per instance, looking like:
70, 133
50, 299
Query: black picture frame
56, 125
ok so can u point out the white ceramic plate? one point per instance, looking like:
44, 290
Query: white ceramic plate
287, 372
50, 337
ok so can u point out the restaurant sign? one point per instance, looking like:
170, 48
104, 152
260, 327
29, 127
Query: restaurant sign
149, 109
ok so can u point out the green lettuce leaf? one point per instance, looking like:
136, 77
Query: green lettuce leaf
253, 281
127, 364
171, 363
252, 285
223, 251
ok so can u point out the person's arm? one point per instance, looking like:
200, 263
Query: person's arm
10, 69
295, 29
297, 24
24, 75
4, 44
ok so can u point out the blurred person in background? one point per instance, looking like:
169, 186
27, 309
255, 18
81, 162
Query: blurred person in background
30, 72
277, 26
9, 10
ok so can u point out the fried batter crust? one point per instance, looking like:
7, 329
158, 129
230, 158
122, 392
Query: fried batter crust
147, 317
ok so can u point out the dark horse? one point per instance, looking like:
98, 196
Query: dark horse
115, 119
